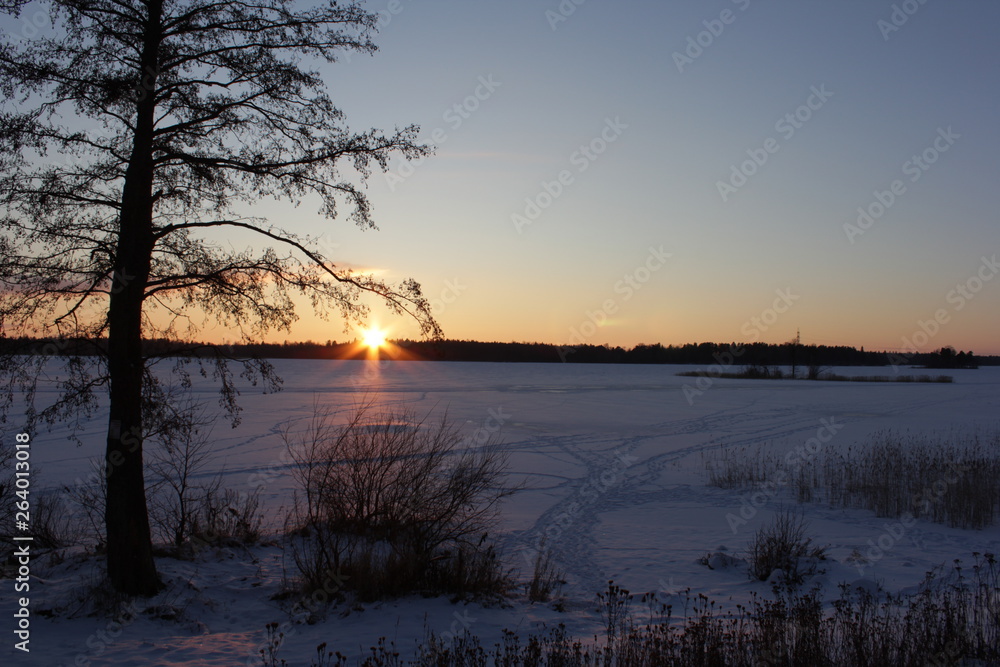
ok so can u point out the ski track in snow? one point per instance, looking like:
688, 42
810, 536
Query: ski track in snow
574, 546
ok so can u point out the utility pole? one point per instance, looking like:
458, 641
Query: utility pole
795, 345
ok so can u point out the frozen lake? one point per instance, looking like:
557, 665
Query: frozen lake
610, 455
611, 459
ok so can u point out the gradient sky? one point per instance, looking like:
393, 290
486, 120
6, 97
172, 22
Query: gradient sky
889, 95
770, 257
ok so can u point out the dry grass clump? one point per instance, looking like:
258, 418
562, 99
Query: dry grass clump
546, 576
782, 545
741, 467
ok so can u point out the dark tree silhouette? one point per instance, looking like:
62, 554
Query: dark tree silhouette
134, 134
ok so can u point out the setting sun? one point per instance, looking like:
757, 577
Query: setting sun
374, 338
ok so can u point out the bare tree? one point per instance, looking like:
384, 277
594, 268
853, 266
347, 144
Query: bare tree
135, 136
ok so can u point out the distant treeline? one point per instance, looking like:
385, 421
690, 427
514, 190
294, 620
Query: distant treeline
726, 354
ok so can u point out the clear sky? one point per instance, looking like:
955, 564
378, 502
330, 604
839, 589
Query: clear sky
637, 171
727, 148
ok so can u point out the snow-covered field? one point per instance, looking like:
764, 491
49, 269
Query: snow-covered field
611, 458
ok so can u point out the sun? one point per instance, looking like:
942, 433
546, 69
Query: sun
374, 338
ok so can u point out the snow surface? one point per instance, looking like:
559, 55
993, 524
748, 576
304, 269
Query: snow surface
611, 458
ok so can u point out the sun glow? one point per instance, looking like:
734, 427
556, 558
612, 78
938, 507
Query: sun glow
374, 338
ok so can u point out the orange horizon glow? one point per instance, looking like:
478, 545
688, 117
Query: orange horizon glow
649, 318
364, 348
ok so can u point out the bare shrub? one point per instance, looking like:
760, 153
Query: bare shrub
781, 545
89, 496
51, 524
181, 453
395, 504
187, 508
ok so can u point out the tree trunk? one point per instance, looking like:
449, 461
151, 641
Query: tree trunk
131, 568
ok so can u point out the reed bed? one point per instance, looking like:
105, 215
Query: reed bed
952, 479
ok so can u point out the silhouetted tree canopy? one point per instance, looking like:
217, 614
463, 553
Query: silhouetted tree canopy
136, 136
